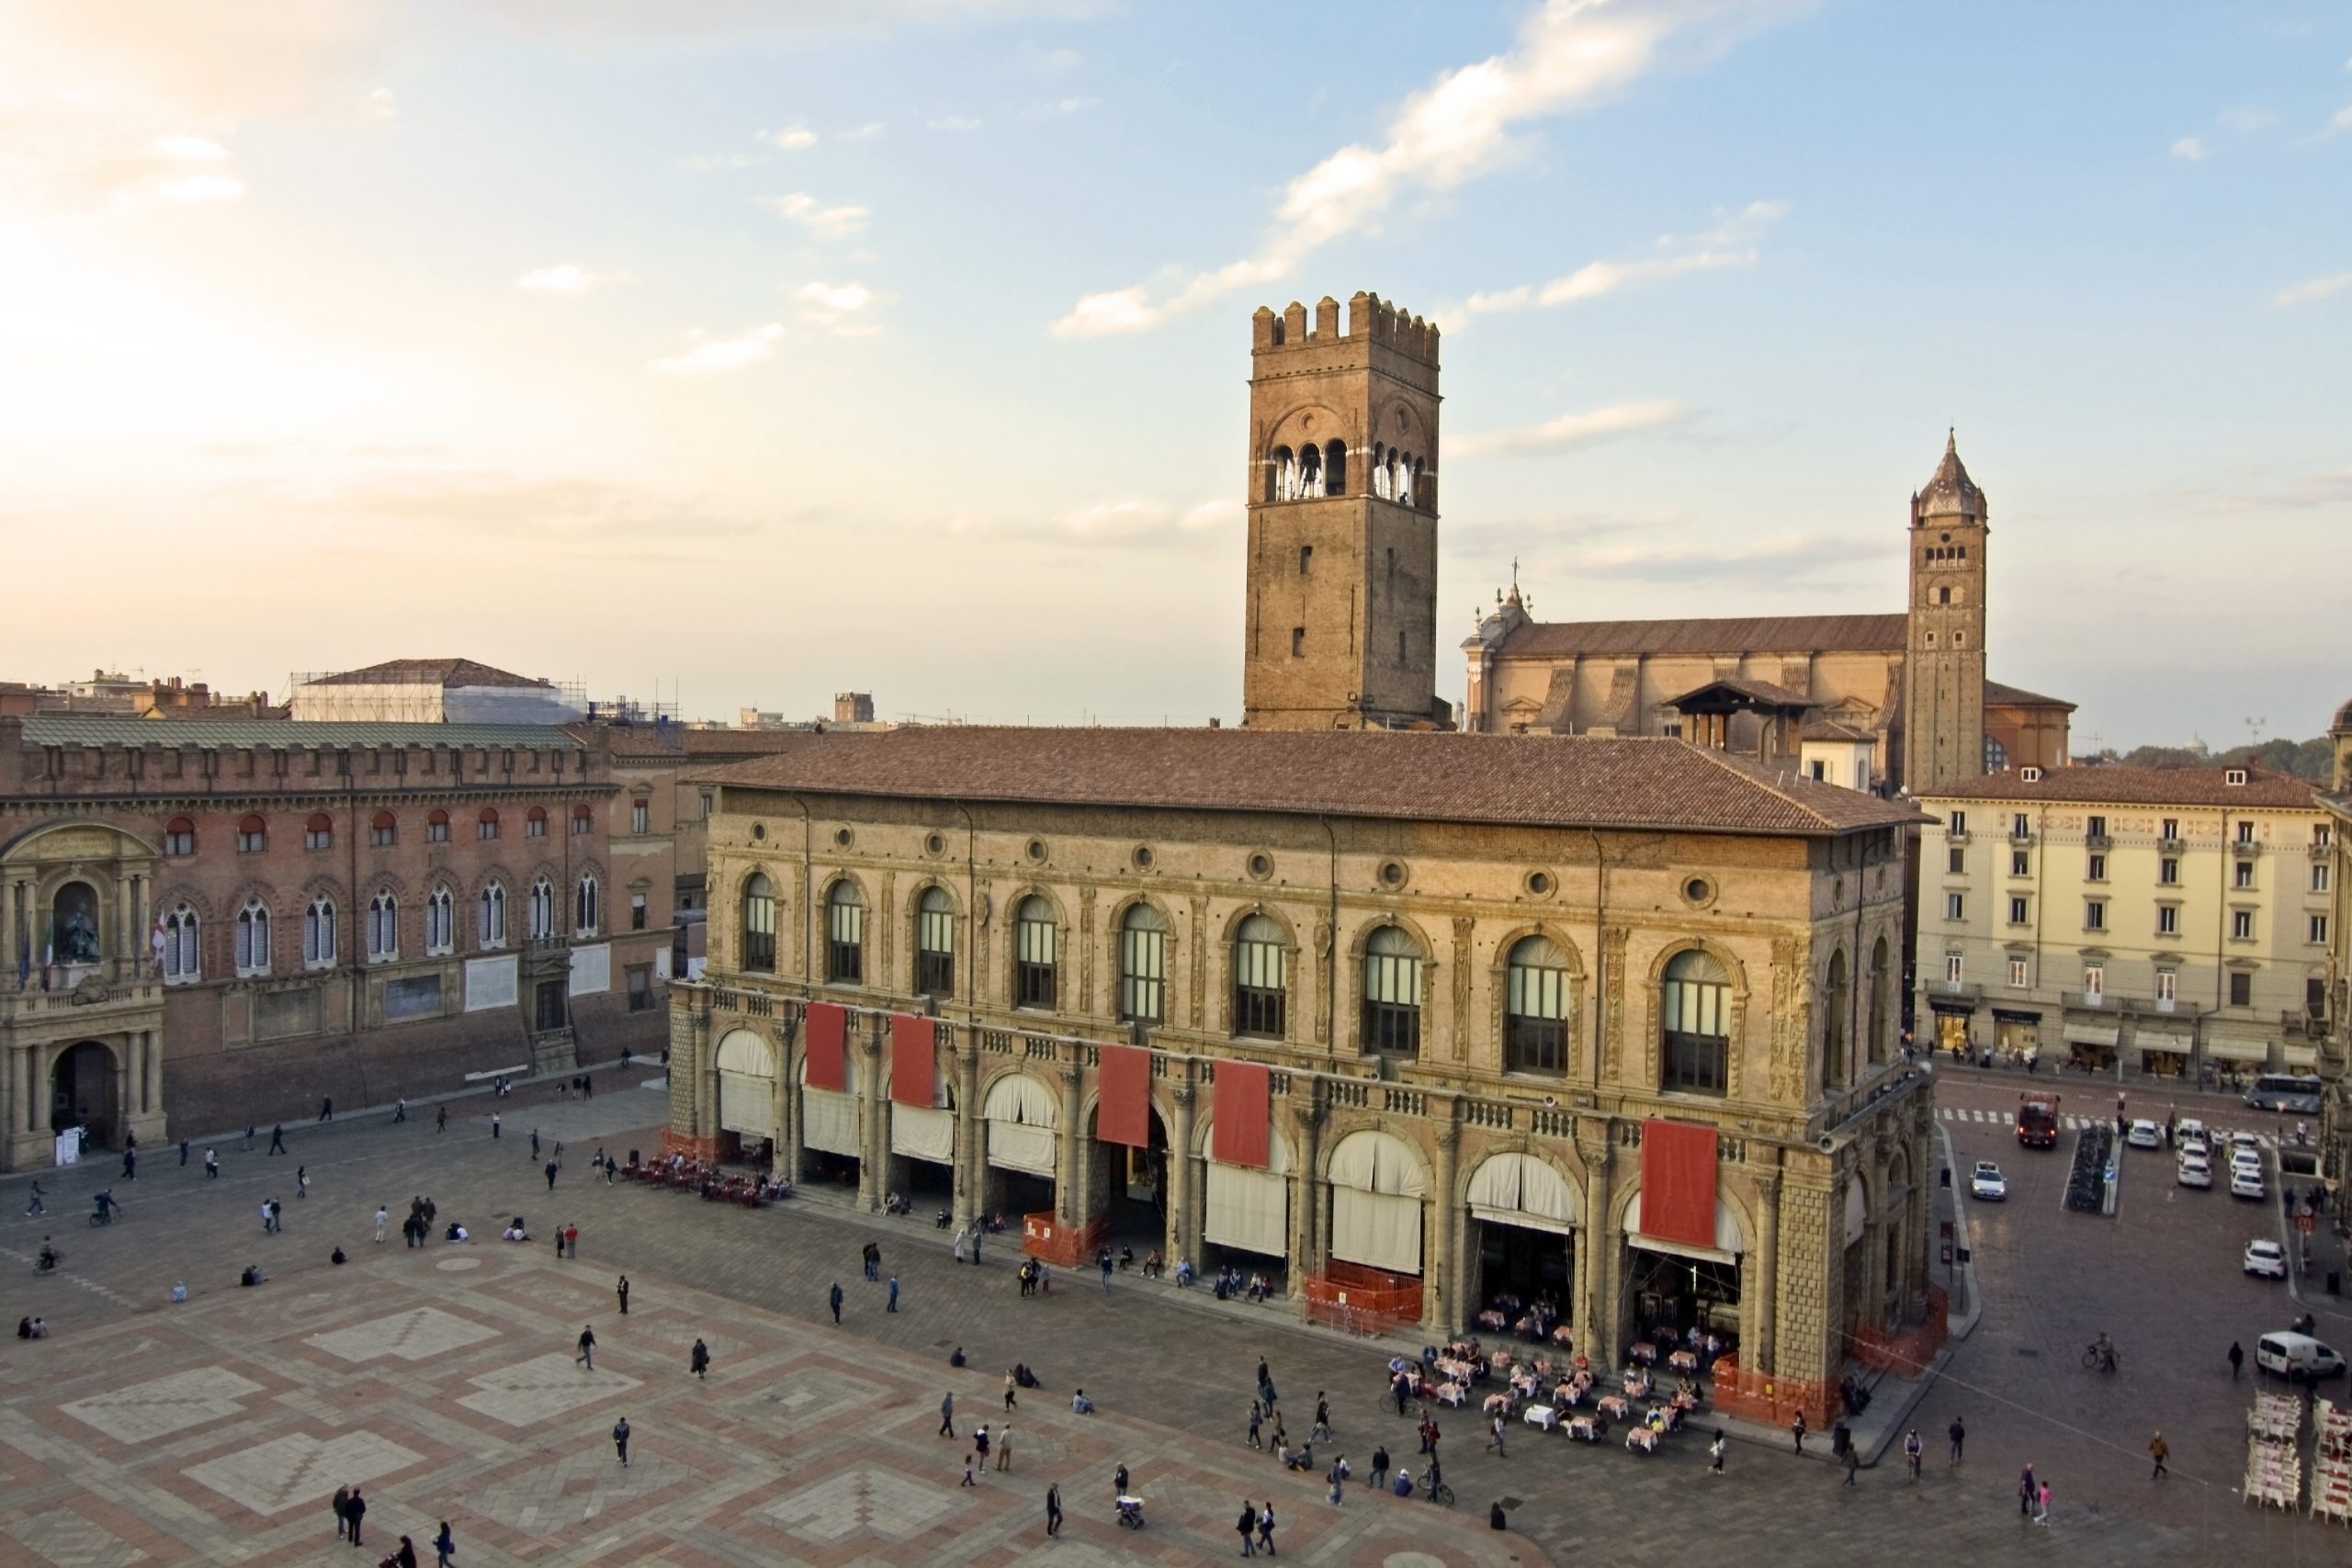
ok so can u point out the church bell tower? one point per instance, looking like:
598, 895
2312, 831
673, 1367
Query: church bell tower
1943, 662
1342, 614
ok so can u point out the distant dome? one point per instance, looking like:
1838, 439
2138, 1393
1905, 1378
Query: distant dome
1950, 492
2342, 725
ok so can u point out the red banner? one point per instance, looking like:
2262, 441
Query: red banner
914, 1059
1123, 1114
1679, 1182
1238, 1136
826, 1029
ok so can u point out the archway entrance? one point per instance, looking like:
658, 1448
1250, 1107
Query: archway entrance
746, 1097
1022, 1122
1674, 1287
1245, 1212
82, 1093
1523, 1216
828, 1129
1130, 1188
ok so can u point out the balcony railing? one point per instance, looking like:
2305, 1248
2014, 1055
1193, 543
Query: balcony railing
2100, 841
2322, 848
2171, 846
2246, 849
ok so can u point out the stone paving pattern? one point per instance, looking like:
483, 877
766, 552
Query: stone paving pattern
443, 1379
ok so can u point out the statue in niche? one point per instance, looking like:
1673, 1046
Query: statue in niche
75, 930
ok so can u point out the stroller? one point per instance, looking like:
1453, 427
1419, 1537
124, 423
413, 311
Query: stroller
1131, 1513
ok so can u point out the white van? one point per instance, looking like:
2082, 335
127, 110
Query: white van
2296, 1356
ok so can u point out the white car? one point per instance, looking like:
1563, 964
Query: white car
2266, 1258
2145, 1134
2186, 1146
1988, 1183
2245, 1159
2244, 1183
2195, 1171
2188, 1127
2251, 1141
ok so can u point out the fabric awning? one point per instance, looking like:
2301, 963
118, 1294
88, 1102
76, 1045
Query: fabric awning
1520, 1190
826, 1029
922, 1133
2233, 1050
1123, 1109
914, 1060
2160, 1040
1727, 1246
1248, 1208
1243, 1103
1377, 1185
1678, 1179
2092, 1033
2302, 1056
829, 1118
1022, 1117
747, 1105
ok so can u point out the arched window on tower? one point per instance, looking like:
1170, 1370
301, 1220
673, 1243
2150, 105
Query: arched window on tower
490, 929
542, 923
1310, 472
183, 955
1281, 475
317, 933
1413, 485
253, 937
1335, 468
440, 921
1384, 477
1034, 953
383, 928
587, 905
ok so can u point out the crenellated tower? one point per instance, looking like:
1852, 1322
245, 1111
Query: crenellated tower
1342, 484
1943, 663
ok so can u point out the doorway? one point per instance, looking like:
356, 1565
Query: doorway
83, 1094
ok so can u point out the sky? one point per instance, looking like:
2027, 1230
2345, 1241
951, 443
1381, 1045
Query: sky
742, 353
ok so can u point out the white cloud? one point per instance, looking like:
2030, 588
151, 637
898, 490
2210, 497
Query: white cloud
824, 222
1058, 59
842, 309
1127, 521
717, 355
1569, 55
566, 277
2312, 289
865, 132
1573, 430
1209, 513
2189, 147
2251, 118
1730, 244
793, 138
954, 124
2341, 119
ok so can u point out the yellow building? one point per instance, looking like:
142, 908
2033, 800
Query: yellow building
2178, 919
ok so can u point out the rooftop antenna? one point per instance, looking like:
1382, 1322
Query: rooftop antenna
2254, 730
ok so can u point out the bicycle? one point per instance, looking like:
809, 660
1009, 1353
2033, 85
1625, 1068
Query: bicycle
2096, 1359
1438, 1491
102, 1217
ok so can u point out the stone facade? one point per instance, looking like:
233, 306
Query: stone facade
1822, 1180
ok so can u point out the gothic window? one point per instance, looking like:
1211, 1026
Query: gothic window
1143, 965
759, 924
1535, 1011
1034, 935
490, 927
1335, 468
1836, 1003
1392, 992
1877, 1023
1282, 475
1259, 977
437, 827
586, 907
844, 932
317, 933
383, 831
318, 833
1413, 485
935, 943
542, 919
440, 925
383, 928
183, 954
1383, 474
1694, 1004
1310, 472
252, 939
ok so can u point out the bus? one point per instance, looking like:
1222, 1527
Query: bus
2294, 1093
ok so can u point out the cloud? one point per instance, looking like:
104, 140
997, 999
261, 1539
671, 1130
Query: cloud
567, 279
1794, 559
954, 124
1570, 56
2191, 148
2311, 291
1127, 521
1729, 243
870, 129
1574, 430
824, 222
1057, 60
840, 309
485, 503
704, 162
718, 355
2251, 118
793, 138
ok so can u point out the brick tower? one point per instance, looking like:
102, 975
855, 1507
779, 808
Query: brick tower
1943, 661
1343, 497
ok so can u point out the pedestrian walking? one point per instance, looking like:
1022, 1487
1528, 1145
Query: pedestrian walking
249, 1135
34, 1205
277, 1139
621, 1290
1004, 1448
400, 1111
1119, 1481
1495, 1437
130, 1165
2027, 1490
1012, 1386
2237, 1358
1053, 1510
342, 1515
1337, 1477
1796, 1431
551, 1175
301, 1182
572, 1241
967, 1470
1257, 1415
587, 1086
445, 1548
1958, 1437
441, 1125
494, 1125
946, 1414
1104, 1259
535, 1143
355, 1511
383, 1223
1248, 1526
267, 1223
211, 1165
1716, 1453
1266, 1527
892, 1305
1912, 1448
1853, 1461
2042, 1517
698, 1361
1378, 1477
620, 1439
833, 1297
183, 1154
326, 1110
1429, 1431
2159, 1450
587, 1357
980, 1444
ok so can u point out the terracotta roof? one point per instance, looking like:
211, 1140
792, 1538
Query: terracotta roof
1732, 635
1950, 490
2137, 787
1754, 690
2018, 696
1539, 781
675, 740
1832, 730
426, 673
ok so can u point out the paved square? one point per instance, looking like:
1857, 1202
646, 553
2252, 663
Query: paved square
157, 1409
417, 1336
70, 1540
542, 1389
878, 1502
297, 1471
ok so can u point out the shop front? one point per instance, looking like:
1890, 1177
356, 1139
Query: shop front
1523, 1217
2091, 1045
1023, 1123
2162, 1050
2233, 1060
1951, 1016
747, 1103
2016, 1034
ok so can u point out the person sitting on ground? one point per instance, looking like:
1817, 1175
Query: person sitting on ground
24, 1328
251, 1275
180, 1290
1127, 1258
40, 1328
338, 1256
1403, 1485
456, 1233
1079, 1404
1022, 1375
47, 1256
515, 1233
957, 1358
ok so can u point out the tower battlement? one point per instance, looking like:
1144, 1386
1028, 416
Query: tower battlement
1370, 319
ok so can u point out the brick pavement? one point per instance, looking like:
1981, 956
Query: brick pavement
500, 1425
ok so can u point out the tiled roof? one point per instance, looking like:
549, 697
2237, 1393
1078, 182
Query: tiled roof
1754, 690
2018, 696
1833, 730
1950, 490
427, 672
1542, 781
77, 729
675, 740
1734, 634
2137, 787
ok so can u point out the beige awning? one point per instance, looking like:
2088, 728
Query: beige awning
2160, 1040
2231, 1049
2092, 1033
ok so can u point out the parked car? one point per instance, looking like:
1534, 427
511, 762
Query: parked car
2192, 1146
2195, 1171
2293, 1356
2188, 1127
2244, 1183
2245, 1159
2145, 1134
2247, 1141
1988, 1183
2266, 1258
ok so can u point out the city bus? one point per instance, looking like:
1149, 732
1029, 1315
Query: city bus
2294, 1093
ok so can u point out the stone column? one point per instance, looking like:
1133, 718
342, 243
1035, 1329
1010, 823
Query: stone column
1597, 1244
1184, 1174
971, 1131
784, 1159
1069, 1166
873, 1167
1442, 1302
1307, 1195
1760, 1309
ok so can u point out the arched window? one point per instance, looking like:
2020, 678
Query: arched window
1837, 1039
437, 827
180, 837
383, 928
759, 924
1392, 992
1694, 1004
252, 939
542, 919
1877, 1023
318, 833
490, 928
583, 819
1260, 978
486, 825
1282, 480
584, 911
1535, 1008
1310, 471
1335, 468
440, 922
1413, 485
383, 831
844, 932
1143, 965
935, 943
183, 954
252, 835
1996, 756
1382, 478
535, 823
1033, 954
317, 933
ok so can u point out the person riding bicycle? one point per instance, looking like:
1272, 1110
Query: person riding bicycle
2103, 1352
106, 1205
49, 1256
